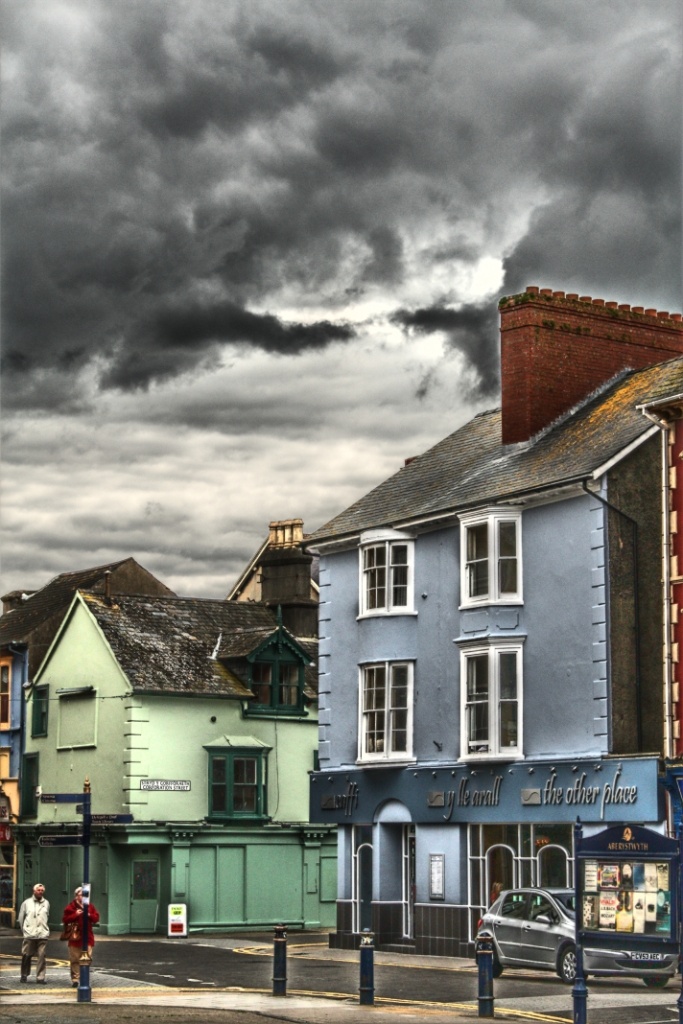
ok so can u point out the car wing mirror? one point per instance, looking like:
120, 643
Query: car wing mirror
543, 919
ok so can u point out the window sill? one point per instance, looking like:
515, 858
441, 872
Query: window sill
382, 614
498, 758
491, 602
387, 762
263, 712
237, 819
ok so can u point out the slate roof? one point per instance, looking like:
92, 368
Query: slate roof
471, 467
55, 597
178, 645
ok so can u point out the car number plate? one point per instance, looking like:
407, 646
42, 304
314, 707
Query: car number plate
655, 957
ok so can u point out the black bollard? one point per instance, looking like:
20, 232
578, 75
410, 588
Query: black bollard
484, 951
579, 990
280, 961
367, 969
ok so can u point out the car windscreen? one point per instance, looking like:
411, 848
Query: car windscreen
567, 901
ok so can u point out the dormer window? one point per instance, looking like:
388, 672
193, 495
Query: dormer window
491, 557
275, 674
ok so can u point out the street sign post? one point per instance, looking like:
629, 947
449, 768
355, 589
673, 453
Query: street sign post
83, 803
84, 989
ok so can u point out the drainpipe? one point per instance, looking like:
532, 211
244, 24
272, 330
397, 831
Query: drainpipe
665, 429
636, 601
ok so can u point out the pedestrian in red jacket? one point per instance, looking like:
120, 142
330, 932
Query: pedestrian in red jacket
73, 915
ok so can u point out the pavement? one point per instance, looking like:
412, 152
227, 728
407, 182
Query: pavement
117, 998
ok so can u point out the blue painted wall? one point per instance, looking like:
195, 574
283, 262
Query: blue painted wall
561, 620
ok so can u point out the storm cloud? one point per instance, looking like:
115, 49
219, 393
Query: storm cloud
206, 202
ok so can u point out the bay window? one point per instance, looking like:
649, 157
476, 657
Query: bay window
386, 573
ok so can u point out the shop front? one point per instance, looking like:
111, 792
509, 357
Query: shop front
421, 849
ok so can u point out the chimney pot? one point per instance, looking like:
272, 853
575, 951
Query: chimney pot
585, 298
650, 312
598, 302
638, 309
677, 317
663, 315
546, 291
625, 306
285, 533
532, 289
572, 295
558, 295
611, 305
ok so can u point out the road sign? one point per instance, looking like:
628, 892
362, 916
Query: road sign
60, 798
111, 819
60, 840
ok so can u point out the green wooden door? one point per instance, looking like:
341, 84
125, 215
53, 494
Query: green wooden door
144, 904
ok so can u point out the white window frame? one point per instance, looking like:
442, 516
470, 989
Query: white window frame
492, 518
388, 539
492, 650
387, 712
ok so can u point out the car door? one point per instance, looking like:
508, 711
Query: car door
508, 927
541, 937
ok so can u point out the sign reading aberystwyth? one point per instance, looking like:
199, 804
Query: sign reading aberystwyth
166, 785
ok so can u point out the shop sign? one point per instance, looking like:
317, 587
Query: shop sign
600, 790
581, 794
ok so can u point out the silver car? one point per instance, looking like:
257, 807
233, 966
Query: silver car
537, 928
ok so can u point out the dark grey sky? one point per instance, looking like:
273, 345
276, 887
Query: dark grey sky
252, 251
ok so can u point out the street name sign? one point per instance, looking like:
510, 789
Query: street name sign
60, 798
60, 840
111, 819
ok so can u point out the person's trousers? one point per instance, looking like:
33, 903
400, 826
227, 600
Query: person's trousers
74, 960
33, 948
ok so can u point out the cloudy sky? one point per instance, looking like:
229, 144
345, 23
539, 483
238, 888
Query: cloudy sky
252, 249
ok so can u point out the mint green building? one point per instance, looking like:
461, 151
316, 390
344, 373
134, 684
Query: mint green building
199, 719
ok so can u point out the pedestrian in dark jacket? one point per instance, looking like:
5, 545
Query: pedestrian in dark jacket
73, 915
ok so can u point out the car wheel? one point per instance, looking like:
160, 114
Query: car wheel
497, 967
657, 981
566, 965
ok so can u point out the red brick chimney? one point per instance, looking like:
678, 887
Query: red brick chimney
556, 349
